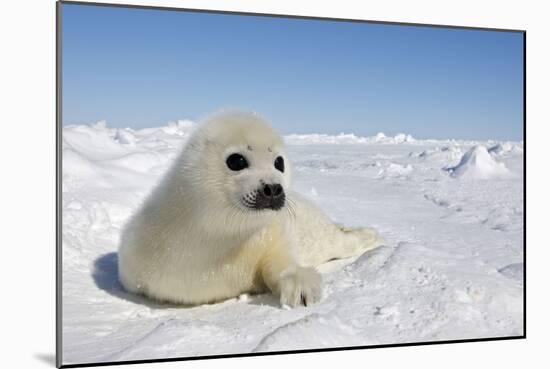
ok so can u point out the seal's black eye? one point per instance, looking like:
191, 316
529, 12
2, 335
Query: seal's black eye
280, 164
236, 162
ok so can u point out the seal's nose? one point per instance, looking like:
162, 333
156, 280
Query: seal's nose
270, 196
272, 191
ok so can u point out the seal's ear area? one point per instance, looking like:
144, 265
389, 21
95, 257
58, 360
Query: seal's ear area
210, 143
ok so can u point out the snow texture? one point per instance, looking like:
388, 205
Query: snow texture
451, 267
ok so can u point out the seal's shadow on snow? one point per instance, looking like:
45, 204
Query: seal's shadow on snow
105, 275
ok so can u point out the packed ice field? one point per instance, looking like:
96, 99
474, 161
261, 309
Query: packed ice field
451, 267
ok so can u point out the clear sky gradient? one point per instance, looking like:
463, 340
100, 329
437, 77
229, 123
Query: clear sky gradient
142, 68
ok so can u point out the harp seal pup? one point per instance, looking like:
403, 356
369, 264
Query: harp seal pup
223, 221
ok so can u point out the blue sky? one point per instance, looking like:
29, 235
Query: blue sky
142, 68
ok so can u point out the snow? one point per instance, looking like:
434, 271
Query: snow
451, 267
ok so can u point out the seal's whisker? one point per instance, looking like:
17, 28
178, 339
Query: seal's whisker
291, 208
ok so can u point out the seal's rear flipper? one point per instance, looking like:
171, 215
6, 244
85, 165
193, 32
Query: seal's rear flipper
358, 240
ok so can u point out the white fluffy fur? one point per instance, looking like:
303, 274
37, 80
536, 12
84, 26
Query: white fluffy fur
194, 242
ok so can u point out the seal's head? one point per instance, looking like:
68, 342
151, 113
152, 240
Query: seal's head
239, 163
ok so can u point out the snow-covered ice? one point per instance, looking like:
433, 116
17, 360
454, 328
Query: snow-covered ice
451, 268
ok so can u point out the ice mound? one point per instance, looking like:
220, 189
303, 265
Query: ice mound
513, 271
314, 138
347, 138
125, 136
180, 127
394, 170
504, 148
443, 152
397, 139
94, 142
380, 137
401, 138
477, 163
